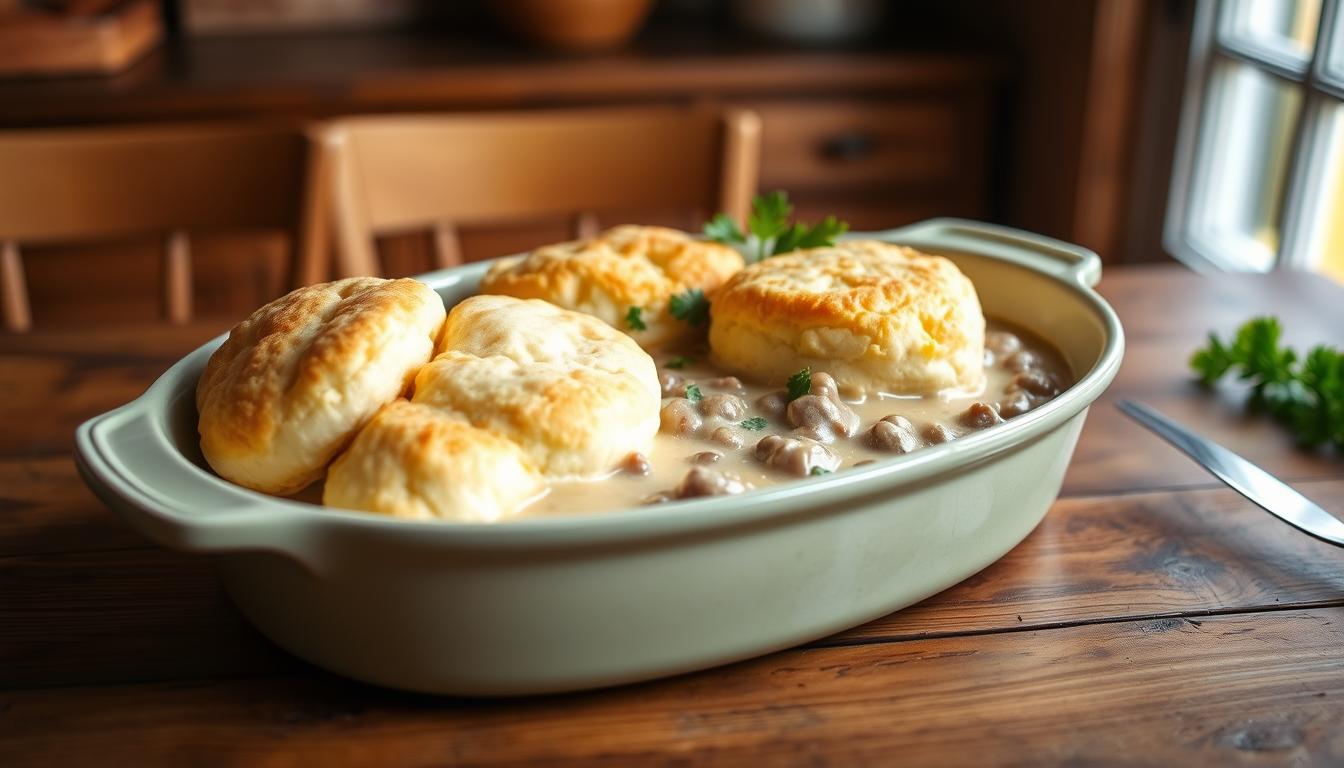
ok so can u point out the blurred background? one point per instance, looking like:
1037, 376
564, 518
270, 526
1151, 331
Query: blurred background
176, 158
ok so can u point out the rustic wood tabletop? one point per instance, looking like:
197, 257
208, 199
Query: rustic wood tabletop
1154, 617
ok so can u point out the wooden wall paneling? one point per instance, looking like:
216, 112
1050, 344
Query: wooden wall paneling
1109, 124
1046, 49
1161, 91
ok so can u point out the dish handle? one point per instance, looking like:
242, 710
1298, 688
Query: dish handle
126, 459
1055, 257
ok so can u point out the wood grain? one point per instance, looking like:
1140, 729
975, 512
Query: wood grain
1092, 559
858, 143
95, 618
45, 508
395, 173
321, 75
1245, 690
1167, 313
1136, 556
51, 381
1109, 123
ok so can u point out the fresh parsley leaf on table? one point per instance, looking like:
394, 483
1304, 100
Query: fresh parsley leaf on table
1306, 395
634, 319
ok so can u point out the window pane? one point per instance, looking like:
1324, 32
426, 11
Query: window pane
1332, 60
1325, 217
1249, 124
1284, 25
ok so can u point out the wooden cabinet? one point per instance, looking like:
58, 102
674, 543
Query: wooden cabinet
879, 162
857, 143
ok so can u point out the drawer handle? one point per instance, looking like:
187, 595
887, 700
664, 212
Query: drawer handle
848, 146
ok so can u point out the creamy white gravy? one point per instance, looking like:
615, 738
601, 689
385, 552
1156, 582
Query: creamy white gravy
673, 456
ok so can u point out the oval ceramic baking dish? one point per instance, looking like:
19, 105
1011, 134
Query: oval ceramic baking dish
557, 604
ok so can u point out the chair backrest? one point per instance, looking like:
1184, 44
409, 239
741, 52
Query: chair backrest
391, 173
74, 185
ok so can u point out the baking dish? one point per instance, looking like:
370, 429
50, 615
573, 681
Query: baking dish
554, 604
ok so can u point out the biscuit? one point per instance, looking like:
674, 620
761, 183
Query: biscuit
296, 380
418, 462
871, 314
574, 394
521, 392
624, 267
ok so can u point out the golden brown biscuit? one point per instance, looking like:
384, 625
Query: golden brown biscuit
574, 394
418, 462
624, 267
522, 391
872, 314
296, 380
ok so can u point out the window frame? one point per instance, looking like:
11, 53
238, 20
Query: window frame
1214, 44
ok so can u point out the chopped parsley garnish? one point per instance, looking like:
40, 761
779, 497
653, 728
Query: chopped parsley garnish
690, 306
799, 384
679, 362
769, 215
693, 393
755, 423
769, 225
634, 319
723, 229
802, 236
820, 471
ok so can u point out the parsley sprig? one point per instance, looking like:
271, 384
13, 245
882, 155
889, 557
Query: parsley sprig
690, 307
770, 231
1306, 394
634, 319
799, 384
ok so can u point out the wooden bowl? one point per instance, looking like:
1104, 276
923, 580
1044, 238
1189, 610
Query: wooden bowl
574, 25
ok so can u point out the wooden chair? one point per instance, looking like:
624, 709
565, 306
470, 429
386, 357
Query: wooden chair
396, 173
80, 185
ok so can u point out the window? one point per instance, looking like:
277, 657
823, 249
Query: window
1259, 174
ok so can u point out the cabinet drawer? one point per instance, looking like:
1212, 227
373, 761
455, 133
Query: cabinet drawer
836, 144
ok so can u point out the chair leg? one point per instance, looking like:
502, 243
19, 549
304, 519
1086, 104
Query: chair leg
447, 246
310, 255
586, 226
18, 317
177, 277
741, 163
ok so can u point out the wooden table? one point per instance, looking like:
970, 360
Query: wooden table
1153, 617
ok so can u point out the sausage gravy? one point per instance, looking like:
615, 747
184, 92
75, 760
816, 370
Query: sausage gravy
724, 436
